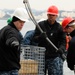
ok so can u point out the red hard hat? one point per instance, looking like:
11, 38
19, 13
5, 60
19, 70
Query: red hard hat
66, 21
52, 10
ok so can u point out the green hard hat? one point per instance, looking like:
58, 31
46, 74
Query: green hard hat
9, 20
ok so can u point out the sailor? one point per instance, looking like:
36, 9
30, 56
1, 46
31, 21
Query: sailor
68, 25
10, 40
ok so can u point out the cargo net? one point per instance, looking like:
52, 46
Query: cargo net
32, 60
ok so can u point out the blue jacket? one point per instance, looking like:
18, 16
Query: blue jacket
28, 38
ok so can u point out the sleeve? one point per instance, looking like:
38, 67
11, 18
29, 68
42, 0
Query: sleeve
62, 40
12, 39
37, 33
27, 38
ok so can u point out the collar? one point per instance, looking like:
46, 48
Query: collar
12, 25
51, 25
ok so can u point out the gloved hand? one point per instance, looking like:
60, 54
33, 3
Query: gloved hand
62, 55
60, 51
15, 44
43, 35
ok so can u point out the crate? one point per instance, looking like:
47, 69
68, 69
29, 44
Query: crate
32, 60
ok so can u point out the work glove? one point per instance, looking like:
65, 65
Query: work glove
43, 35
60, 51
62, 55
15, 44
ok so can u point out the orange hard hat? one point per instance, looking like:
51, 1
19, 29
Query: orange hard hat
52, 10
66, 21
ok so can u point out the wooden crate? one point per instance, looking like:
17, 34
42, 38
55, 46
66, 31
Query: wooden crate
29, 67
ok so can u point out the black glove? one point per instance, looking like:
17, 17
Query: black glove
62, 55
15, 44
43, 35
60, 51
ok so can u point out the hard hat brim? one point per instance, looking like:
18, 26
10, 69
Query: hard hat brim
71, 24
52, 13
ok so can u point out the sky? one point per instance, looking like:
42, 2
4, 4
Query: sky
38, 4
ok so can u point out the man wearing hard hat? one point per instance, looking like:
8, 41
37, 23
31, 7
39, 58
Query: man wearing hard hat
68, 25
10, 39
53, 30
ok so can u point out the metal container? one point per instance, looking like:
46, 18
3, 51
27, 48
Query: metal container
32, 60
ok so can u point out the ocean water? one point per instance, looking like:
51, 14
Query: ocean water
30, 26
